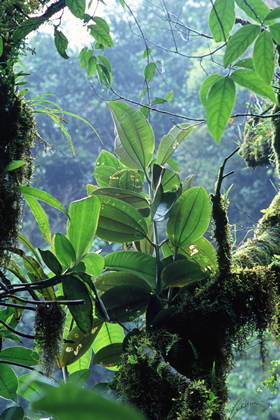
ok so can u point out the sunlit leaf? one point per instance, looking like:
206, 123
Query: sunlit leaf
15, 164
136, 200
100, 32
189, 217
205, 87
250, 80
61, 42
92, 63
263, 57
81, 228
40, 216
64, 250
149, 71
108, 334
222, 19
94, 263
29, 245
109, 356
79, 378
255, 9
171, 141
41, 195
273, 14
219, 106
19, 354
119, 221
239, 42
135, 140
275, 32
127, 179
77, 7
246, 62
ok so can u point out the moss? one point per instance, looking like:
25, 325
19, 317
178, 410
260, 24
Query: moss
276, 139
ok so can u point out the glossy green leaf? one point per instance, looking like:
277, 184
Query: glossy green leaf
13, 413
125, 303
8, 383
108, 334
127, 179
202, 252
275, 32
120, 278
187, 183
171, 141
101, 33
28, 26
80, 377
136, 200
51, 261
255, 9
119, 222
138, 263
109, 356
73, 288
81, 363
82, 226
94, 263
15, 164
222, 19
263, 57
149, 71
205, 87
41, 195
102, 23
105, 166
181, 273
246, 62
250, 80
103, 175
219, 106
135, 140
273, 14
189, 217
19, 354
64, 250
77, 7
61, 43
170, 181
239, 42
40, 216
70, 403
71, 352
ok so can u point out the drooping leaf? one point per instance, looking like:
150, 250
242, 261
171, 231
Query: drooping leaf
73, 351
70, 403
29, 245
171, 141
120, 278
28, 26
135, 140
181, 273
61, 43
92, 63
40, 216
239, 42
84, 56
125, 303
8, 383
205, 87
189, 217
74, 288
34, 268
101, 33
109, 356
275, 32
222, 19
149, 71
250, 80
219, 106
263, 57
77, 7
41, 195
255, 9
82, 226
64, 250
138, 263
136, 200
119, 221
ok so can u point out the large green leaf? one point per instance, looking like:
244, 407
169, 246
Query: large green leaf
41, 195
19, 354
64, 250
82, 226
70, 403
135, 139
222, 19
219, 106
136, 200
79, 345
94, 264
77, 7
255, 9
101, 32
79, 378
169, 143
239, 42
189, 217
8, 382
138, 263
275, 32
205, 87
250, 80
127, 179
28, 26
109, 356
202, 252
125, 303
30, 389
119, 221
120, 278
108, 334
263, 57
40, 216
273, 14
73, 288
181, 273
51, 261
